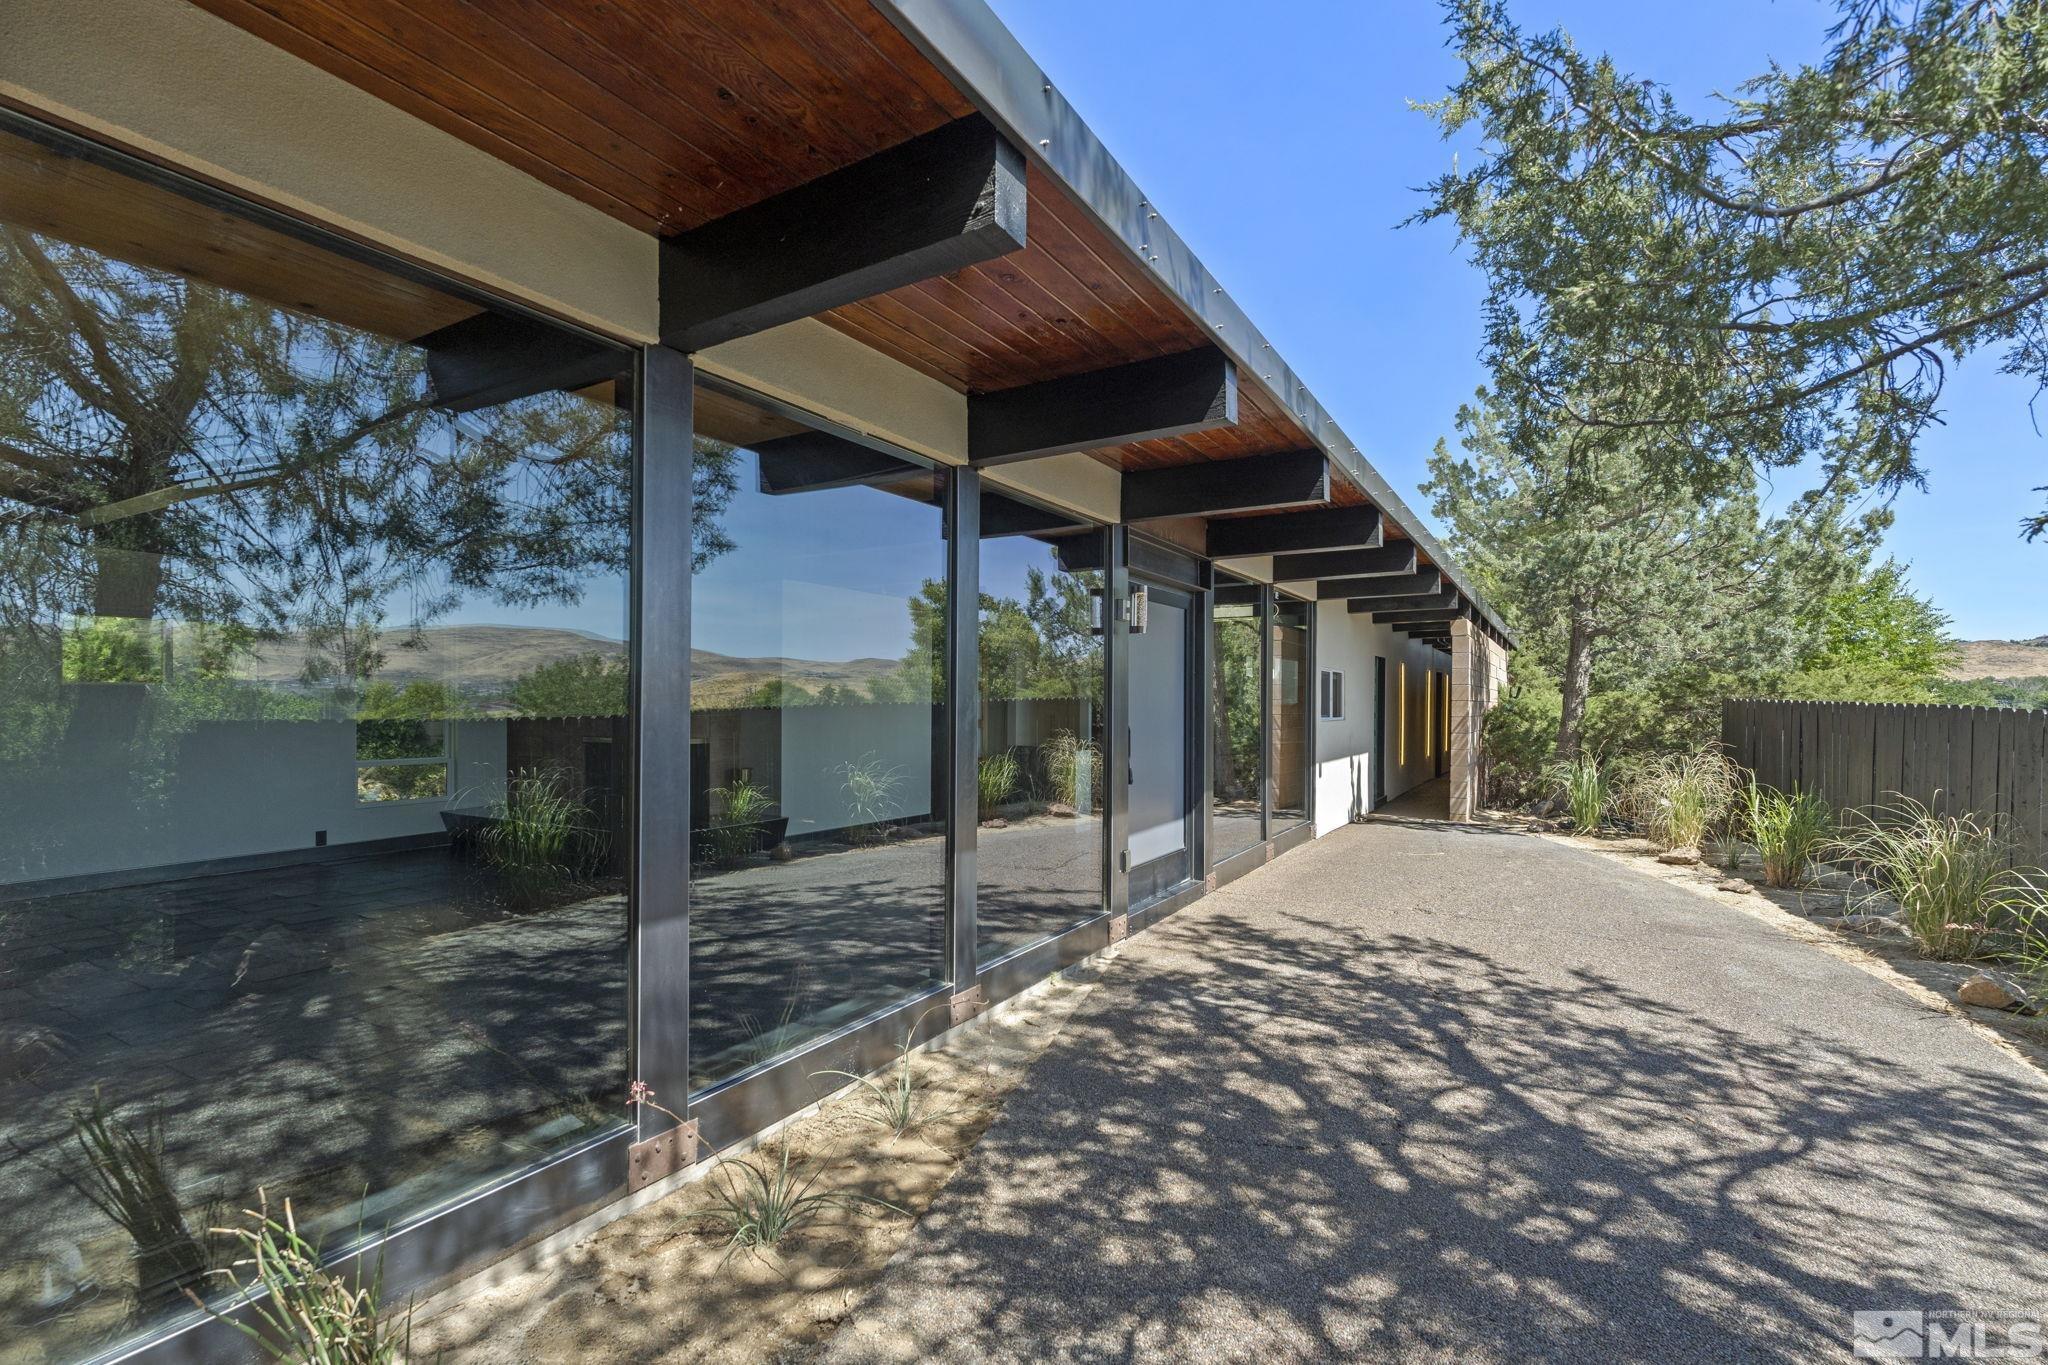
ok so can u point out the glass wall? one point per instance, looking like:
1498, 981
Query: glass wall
1236, 770
817, 638
313, 687
1039, 779
1288, 752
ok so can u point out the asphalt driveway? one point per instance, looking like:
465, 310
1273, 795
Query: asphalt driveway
1432, 1093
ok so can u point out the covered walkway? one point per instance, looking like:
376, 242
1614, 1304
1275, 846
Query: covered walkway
1435, 1092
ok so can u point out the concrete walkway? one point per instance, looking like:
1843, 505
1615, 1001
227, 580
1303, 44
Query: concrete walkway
1424, 1092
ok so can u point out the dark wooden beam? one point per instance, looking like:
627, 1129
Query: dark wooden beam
1295, 478
1424, 583
495, 358
1445, 601
1080, 554
1398, 557
1237, 594
1001, 516
811, 460
1170, 395
1435, 616
1324, 528
935, 204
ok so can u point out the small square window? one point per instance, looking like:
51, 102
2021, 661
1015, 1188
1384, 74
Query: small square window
1333, 694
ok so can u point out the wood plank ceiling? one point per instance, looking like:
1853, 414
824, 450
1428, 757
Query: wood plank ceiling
666, 115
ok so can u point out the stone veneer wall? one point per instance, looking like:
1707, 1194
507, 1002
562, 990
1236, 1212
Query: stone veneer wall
1479, 674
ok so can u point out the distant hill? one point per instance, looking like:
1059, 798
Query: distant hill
2000, 659
485, 658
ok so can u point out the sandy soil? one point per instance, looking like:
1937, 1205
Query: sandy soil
1889, 956
659, 1285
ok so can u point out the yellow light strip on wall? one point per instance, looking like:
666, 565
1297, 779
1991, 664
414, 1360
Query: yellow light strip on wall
1428, 712
1401, 711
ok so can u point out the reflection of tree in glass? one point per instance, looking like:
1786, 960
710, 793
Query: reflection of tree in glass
1237, 661
173, 451
1043, 647
584, 685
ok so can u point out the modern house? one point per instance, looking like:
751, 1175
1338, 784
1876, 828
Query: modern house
546, 545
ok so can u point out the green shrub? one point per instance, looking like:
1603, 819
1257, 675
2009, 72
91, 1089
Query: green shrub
870, 786
1676, 799
1520, 738
1950, 874
1790, 831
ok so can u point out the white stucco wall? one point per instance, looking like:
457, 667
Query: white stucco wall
1344, 757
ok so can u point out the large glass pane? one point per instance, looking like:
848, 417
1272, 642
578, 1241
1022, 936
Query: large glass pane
817, 634
312, 744
1039, 780
1292, 697
1235, 748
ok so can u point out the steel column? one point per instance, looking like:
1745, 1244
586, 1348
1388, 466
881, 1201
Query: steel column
1116, 649
1268, 623
963, 732
658, 972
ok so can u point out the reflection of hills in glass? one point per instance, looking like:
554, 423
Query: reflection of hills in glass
471, 656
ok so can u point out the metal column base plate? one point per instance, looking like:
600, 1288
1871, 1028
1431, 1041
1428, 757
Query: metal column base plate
661, 1156
1119, 928
967, 1004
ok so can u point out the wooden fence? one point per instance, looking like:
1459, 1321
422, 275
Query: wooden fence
1954, 759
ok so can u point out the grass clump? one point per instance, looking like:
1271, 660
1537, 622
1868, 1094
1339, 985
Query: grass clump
125, 1179
759, 1203
995, 779
1584, 785
1790, 830
1950, 874
301, 1311
903, 1104
540, 825
870, 787
1070, 765
745, 804
1676, 799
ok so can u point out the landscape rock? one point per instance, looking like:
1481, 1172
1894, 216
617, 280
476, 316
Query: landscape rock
782, 853
1736, 885
1864, 924
1679, 857
1995, 991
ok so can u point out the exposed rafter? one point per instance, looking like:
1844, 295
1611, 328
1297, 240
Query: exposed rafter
1423, 583
1398, 557
811, 460
1323, 528
1294, 478
935, 204
1171, 395
496, 358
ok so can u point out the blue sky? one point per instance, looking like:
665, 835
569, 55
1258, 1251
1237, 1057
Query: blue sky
1279, 142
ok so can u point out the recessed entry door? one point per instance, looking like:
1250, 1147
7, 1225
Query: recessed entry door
1162, 808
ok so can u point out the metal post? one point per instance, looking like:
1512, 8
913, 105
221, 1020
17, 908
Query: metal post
1116, 649
658, 970
1268, 624
1204, 713
963, 732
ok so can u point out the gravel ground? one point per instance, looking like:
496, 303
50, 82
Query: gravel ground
1423, 1092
